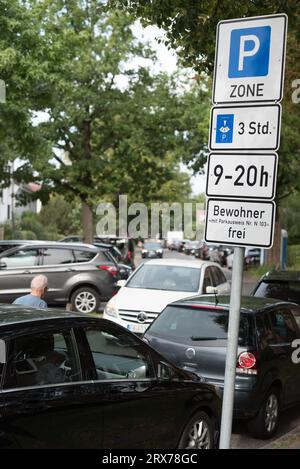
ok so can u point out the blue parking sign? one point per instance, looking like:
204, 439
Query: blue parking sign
249, 52
224, 130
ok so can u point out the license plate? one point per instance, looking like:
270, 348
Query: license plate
137, 328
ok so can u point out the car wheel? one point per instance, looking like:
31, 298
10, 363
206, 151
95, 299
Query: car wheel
198, 433
264, 424
85, 300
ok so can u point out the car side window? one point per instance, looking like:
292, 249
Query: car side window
57, 256
42, 358
118, 356
84, 256
21, 258
283, 326
207, 282
218, 276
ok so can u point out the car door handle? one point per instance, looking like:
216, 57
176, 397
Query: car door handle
70, 270
26, 272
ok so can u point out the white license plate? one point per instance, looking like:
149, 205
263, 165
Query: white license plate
137, 328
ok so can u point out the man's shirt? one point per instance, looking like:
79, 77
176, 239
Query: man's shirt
30, 300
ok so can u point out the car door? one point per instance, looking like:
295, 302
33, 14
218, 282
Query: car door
21, 266
47, 403
138, 410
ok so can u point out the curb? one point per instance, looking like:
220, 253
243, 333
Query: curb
290, 440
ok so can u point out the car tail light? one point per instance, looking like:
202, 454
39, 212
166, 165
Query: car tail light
247, 363
110, 269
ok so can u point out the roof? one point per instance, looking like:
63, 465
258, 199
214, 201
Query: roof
11, 314
283, 275
196, 264
249, 304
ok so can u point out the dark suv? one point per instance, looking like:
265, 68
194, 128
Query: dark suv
80, 274
283, 285
192, 333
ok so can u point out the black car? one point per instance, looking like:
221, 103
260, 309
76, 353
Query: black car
72, 381
80, 274
283, 285
152, 249
192, 333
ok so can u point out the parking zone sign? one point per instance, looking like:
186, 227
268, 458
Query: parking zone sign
250, 58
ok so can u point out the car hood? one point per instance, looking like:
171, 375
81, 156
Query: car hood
140, 299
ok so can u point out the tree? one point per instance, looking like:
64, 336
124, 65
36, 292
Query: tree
191, 28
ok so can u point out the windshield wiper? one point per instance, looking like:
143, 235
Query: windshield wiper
196, 337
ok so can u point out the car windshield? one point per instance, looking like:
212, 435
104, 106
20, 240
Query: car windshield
166, 277
282, 290
192, 324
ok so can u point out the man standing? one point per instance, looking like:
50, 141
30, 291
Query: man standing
39, 286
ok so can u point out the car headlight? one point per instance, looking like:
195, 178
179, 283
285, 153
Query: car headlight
111, 309
159, 251
144, 251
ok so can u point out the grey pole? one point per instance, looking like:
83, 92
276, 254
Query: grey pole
232, 347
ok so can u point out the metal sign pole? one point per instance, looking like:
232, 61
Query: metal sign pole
232, 346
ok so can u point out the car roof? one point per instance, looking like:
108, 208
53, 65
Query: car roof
285, 275
196, 264
59, 245
249, 304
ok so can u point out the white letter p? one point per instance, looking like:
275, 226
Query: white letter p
247, 53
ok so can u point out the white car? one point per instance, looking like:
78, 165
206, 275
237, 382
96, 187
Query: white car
157, 283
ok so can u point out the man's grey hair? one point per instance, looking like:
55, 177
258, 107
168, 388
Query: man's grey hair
39, 283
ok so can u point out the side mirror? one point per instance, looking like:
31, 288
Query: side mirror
211, 290
2, 351
3, 265
121, 283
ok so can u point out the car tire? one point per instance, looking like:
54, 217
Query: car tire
85, 300
265, 423
198, 433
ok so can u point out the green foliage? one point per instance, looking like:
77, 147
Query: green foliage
290, 217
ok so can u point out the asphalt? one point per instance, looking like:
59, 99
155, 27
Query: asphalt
290, 440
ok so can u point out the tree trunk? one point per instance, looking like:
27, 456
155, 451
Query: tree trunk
273, 255
87, 223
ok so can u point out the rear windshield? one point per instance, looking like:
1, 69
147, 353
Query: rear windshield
190, 325
282, 290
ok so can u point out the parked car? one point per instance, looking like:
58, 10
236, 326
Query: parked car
79, 274
73, 381
156, 283
283, 285
152, 249
193, 333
